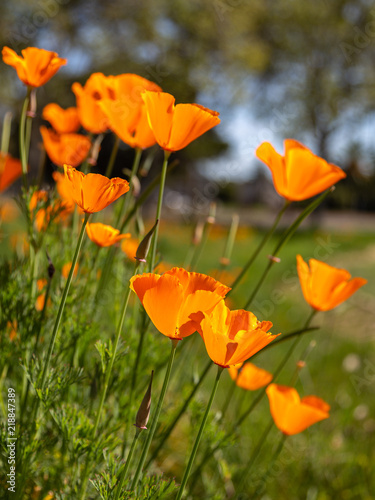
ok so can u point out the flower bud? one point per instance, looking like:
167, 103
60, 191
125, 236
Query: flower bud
31, 111
50, 268
198, 232
144, 245
95, 151
144, 410
277, 260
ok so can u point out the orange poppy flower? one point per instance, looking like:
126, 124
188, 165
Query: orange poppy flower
64, 121
39, 304
299, 174
130, 87
8, 211
250, 377
36, 66
175, 127
94, 192
37, 197
64, 190
57, 211
126, 111
174, 300
104, 235
43, 214
232, 337
325, 287
66, 270
90, 114
71, 149
10, 170
13, 327
292, 414
41, 283
129, 247
19, 243
128, 123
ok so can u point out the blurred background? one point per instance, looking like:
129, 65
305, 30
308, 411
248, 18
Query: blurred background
273, 69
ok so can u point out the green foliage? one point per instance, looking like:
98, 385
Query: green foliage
153, 487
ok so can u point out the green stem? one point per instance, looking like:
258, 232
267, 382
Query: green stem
63, 301
168, 432
105, 387
270, 425
124, 204
112, 158
127, 464
284, 238
262, 481
156, 416
199, 436
158, 209
134, 376
288, 336
198, 250
230, 395
144, 196
40, 327
22, 137
256, 252
254, 455
127, 199
23, 468
34, 269
5, 135
257, 400
110, 366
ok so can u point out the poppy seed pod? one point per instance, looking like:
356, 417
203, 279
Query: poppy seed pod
144, 245
144, 410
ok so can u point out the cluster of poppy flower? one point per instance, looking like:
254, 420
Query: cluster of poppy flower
179, 302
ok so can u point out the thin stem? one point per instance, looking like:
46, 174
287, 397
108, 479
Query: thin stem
284, 238
184, 407
156, 416
105, 387
112, 360
112, 158
127, 199
288, 336
262, 481
52, 341
5, 135
63, 300
34, 253
256, 252
199, 436
257, 400
199, 249
269, 426
134, 375
230, 395
144, 196
127, 464
124, 204
254, 455
158, 209
22, 137
41, 322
